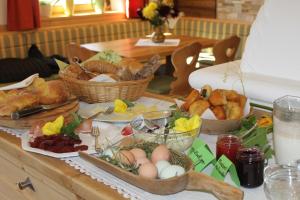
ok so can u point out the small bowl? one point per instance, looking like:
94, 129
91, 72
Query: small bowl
178, 141
282, 182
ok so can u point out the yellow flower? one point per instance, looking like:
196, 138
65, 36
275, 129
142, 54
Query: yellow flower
168, 2
185, 125
265, 121
120, 106
53, 128
149, 10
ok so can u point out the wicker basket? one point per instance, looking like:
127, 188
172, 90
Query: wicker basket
93, 92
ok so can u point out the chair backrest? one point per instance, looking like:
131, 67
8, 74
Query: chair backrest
77, 53
184, 67
225, 50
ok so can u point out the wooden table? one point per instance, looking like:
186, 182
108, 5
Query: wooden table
127, 48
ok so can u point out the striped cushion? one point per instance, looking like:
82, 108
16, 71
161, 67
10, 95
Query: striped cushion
53, 40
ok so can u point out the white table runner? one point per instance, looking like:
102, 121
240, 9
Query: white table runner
132, 192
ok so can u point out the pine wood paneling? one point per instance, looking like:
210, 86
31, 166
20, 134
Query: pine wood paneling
198, 8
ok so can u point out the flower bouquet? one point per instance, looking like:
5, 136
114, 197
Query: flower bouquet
158, 13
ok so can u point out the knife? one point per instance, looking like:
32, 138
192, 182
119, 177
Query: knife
36, 109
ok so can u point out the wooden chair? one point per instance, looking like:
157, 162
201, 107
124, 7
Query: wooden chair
224, 51
184, 67
76, 53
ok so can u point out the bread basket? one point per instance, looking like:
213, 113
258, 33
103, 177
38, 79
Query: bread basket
97, 92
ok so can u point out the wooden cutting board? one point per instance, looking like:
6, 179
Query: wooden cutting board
41, 117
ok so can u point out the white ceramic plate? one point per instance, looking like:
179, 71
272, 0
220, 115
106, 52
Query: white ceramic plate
149, 103
86, 139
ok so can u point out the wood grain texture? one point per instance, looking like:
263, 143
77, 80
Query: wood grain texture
198, 8
81, 185
127, 48
183, 69
41, 117
188, 181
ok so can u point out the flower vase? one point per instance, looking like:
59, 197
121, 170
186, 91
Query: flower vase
158, 35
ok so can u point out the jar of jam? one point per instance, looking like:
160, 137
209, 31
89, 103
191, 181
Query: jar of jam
250, 167
228, 145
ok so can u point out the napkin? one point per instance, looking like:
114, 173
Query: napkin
26, 82
272, 47
103, 78
259, 88
109, 133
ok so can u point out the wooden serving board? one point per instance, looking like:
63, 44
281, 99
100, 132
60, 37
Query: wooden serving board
41, 117
188, 181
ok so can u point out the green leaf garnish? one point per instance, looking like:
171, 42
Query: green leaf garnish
69, 128
128, 103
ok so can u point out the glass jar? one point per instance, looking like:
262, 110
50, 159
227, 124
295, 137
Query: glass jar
286, 133
282, 182
228, 145
250, 167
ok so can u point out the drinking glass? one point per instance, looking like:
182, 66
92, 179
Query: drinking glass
282, 182
286, 133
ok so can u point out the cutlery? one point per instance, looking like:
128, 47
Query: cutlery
36, 109
96, 133
108, 111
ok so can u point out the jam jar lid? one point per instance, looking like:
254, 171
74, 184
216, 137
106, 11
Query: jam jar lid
250, 154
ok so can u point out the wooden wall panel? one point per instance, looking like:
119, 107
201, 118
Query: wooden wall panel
198, 8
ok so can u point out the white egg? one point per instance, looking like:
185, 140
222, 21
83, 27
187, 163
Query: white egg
171, 171
160, 165
110, 152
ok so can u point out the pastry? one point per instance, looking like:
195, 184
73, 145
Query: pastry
52, 92
198, 107
219, 112
206, 91
233, 110
217, 98
17, 102
100, 67
231, 95
149, 68
2, 96
132, 65
192, 97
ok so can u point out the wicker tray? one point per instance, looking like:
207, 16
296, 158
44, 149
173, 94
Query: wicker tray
93, 92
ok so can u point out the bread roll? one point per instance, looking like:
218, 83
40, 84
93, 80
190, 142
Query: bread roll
100, 67
131, 64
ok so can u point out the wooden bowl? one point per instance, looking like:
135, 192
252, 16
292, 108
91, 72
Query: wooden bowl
188, 181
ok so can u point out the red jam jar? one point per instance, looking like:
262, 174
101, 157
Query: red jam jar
250, 167
228, 145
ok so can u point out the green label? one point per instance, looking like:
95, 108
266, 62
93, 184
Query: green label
222, 167
201, 155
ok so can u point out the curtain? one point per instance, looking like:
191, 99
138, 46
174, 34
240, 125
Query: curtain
132, 6
23, 15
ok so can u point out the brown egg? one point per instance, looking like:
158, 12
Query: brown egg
125, 157
138, 153
141, 161
148, 170
161, 152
